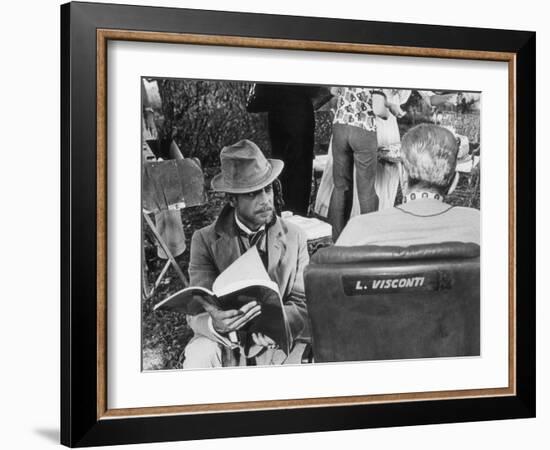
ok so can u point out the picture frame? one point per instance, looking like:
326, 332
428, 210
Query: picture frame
86, 29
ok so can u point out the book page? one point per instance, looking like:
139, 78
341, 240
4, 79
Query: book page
191, 300
246, 270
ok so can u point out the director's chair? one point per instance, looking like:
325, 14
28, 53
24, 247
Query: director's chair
372, 302
167, 186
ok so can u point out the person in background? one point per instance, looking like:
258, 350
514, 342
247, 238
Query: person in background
291, 126
388, 174
354, 143
429, 155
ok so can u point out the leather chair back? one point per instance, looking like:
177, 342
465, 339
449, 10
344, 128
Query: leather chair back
377, 303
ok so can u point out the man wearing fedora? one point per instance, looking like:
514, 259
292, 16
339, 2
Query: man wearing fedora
248, 219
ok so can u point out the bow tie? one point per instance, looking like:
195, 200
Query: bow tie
254, 239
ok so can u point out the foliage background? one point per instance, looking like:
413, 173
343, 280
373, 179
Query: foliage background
205, 116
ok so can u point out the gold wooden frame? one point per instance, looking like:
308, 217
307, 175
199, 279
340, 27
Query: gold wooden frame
103, 36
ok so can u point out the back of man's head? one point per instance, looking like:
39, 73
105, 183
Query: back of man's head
429, 154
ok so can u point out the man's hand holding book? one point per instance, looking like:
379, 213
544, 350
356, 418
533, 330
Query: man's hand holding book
233, 319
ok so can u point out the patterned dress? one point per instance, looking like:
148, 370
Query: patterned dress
355, 108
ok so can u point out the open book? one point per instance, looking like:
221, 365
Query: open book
243, 281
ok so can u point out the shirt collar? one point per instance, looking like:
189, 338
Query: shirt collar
422, 195
244, 228
424, 207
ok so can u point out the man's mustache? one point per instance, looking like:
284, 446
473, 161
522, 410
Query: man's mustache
264, 210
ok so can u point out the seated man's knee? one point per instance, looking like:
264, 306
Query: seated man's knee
202, 352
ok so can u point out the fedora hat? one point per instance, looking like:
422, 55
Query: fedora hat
245, 169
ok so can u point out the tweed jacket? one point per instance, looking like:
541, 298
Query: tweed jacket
215, 247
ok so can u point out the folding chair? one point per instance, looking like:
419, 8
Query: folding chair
167, 186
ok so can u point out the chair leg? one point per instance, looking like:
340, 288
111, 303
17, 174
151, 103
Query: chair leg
161, 276
161, 242
144, 281
475, 189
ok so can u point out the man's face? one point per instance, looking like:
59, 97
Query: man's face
255, 208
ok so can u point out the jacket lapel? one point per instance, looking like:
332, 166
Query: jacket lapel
276, 249
226, 246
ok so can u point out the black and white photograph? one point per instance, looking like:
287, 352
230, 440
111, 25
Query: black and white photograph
288, 224
270, 225
279, 222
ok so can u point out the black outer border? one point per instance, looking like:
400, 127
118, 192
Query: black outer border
79, 426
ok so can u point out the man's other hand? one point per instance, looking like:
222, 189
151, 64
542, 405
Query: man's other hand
234, 319
263, 341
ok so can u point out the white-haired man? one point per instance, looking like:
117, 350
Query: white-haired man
429, 154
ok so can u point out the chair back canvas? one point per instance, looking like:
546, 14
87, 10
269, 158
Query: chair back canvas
172, 183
